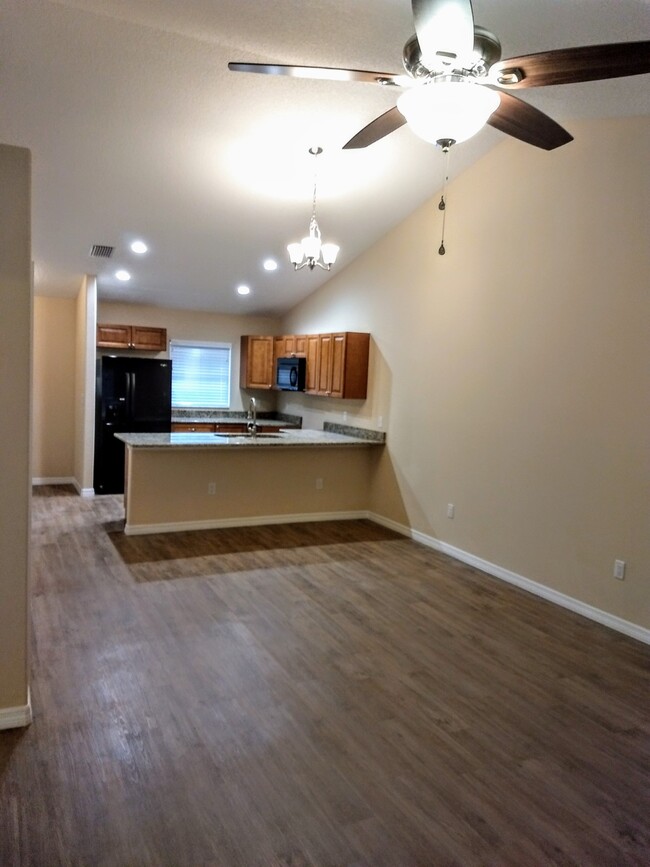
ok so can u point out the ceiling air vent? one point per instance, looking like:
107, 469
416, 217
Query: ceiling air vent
101, 251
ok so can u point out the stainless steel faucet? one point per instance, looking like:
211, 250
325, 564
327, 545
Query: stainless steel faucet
251, 425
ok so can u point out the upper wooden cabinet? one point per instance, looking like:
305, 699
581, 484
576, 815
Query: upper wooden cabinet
132, 337
337, 364
341, 365
256, 362
290, 345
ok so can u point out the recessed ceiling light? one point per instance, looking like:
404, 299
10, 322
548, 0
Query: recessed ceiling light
123, 276
243, 290
270, 265
139, 247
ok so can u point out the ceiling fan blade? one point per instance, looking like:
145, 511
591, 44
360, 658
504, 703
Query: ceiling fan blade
326, 73
445, 31
381, 126
572, 65
527, 123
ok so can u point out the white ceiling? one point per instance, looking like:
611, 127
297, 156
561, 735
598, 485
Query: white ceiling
138, 129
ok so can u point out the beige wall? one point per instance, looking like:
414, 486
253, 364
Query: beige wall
512, 374
193, 325
53, 393
15, 376
86, 325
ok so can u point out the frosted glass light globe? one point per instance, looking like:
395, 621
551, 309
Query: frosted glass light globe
447, 109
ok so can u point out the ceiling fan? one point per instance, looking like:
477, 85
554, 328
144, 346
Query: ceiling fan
454, 73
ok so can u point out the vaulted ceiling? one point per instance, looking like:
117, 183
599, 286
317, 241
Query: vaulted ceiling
138, 130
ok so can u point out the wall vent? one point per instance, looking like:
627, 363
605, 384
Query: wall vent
101, 251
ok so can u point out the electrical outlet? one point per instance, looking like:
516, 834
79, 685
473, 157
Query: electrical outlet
212, 487
319, 484
619, 570
380, 421
345, 416
450, 510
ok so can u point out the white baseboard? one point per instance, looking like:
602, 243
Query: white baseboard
83, 492
64, 480
633, 630
221, 523
16, 717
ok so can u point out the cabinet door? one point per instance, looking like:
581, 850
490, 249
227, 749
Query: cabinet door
114, 336
290, 345
192, 427
337, 366
153, 339
324, 381
230, 427
300, 343
256, 362
312, 343
279, 347
355, 365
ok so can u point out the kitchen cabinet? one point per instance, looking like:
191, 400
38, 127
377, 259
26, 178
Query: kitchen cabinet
290, 345
192, 427
256, 362
230, 427
132, 337
337, 363
242, 427
223, 427
340, 366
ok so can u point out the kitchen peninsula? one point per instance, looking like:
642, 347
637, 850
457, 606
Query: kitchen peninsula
191, 481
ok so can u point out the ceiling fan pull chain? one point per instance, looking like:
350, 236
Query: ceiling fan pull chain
442, 204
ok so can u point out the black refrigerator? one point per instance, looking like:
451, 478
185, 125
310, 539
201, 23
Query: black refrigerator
133, 395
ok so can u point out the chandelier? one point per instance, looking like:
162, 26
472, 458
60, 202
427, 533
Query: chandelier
311, 251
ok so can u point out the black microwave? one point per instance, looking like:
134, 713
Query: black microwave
290, 374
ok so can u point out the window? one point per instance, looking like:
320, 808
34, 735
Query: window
200, 374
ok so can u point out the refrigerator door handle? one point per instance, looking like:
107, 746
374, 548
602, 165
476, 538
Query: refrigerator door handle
129, 397
132, 410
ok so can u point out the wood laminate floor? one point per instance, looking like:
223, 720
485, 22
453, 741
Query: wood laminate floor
330, 695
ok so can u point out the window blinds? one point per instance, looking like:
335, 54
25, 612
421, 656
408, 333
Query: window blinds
200, 374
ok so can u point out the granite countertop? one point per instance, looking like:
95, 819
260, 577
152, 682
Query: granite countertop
343, 436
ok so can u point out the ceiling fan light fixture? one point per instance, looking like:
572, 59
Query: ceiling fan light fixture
449, 107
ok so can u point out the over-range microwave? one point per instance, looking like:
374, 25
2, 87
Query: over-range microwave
290, 374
